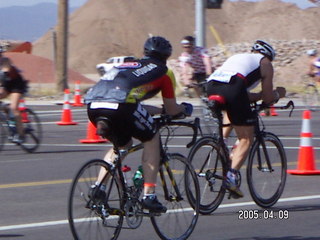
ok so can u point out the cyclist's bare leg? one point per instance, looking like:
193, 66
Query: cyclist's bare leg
14, 108
227, 129
197, 90
150, 163
239, 154
109, 158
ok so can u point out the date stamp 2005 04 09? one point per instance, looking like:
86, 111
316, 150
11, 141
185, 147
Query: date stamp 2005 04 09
263, 214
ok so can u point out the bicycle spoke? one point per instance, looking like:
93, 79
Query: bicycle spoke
310, 97
33, 131
94, 215
181, 217
266, 178
210, 169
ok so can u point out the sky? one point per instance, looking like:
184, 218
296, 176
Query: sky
76, 3
300, 3
9, 3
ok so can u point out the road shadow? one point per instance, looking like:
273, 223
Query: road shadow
10, 235
16, 153
277, 238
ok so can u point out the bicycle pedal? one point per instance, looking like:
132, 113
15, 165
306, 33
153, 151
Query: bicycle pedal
151, 214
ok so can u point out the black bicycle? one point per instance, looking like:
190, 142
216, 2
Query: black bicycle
102, 217
31, 125
266, 167
310, 94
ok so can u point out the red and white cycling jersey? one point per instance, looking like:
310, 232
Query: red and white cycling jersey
195, 59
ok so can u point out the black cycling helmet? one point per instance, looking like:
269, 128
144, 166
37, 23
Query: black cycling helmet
264, 48
158, 47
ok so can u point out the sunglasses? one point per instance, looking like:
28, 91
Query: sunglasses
187, 46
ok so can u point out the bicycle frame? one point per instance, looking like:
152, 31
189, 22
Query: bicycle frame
259, 128
122, 153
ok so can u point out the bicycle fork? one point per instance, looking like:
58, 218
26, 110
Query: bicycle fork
169, 197
264, 151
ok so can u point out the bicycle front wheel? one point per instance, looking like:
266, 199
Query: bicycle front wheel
92, 215
32, 130
3, 131
267, 170
310, 96
210, 168
179, 184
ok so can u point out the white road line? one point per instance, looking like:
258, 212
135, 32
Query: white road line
60, 222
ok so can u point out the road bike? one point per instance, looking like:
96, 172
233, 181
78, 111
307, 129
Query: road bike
103, 217
310, 95
31, 125
265, 170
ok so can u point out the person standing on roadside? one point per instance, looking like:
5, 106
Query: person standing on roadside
195, 64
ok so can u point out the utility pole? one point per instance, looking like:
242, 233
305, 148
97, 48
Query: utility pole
200, 23
62, 47
200, 18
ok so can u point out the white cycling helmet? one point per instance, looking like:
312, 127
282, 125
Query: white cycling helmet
264, 48
312, 52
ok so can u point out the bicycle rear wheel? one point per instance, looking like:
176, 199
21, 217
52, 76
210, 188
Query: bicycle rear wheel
91, 217
210, 168
182, 215
32, 130
310, 97
266, 183
3, 131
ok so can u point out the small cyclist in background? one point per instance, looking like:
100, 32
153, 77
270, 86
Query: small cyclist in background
314, 65
14, 85
117, 96
195, 63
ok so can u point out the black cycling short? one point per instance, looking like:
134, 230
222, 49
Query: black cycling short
237, 100
16, 85
199, 77
127, 121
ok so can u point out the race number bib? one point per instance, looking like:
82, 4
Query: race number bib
222, 76
107, 105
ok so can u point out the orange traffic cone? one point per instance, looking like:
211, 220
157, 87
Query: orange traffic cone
66, 118
273, 111
306, 157
92, 136
269, 112
77, 96
23, 112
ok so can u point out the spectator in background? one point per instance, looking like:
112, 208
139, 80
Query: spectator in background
314, 65
195, 64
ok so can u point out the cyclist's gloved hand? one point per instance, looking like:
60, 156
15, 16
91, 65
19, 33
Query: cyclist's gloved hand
188, 109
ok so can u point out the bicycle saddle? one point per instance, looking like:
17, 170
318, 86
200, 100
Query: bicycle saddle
217, 100
103, 127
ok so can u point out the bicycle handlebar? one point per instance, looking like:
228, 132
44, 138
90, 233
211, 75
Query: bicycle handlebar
260, 107
167, 120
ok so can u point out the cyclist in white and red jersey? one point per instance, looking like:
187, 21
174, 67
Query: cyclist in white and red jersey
117, 96
233, 80
195, 64
314, 65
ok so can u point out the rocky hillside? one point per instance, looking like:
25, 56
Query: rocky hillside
290, 62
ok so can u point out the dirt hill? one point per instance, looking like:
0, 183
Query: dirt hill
104, 28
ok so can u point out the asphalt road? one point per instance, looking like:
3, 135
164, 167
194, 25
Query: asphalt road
34, 187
